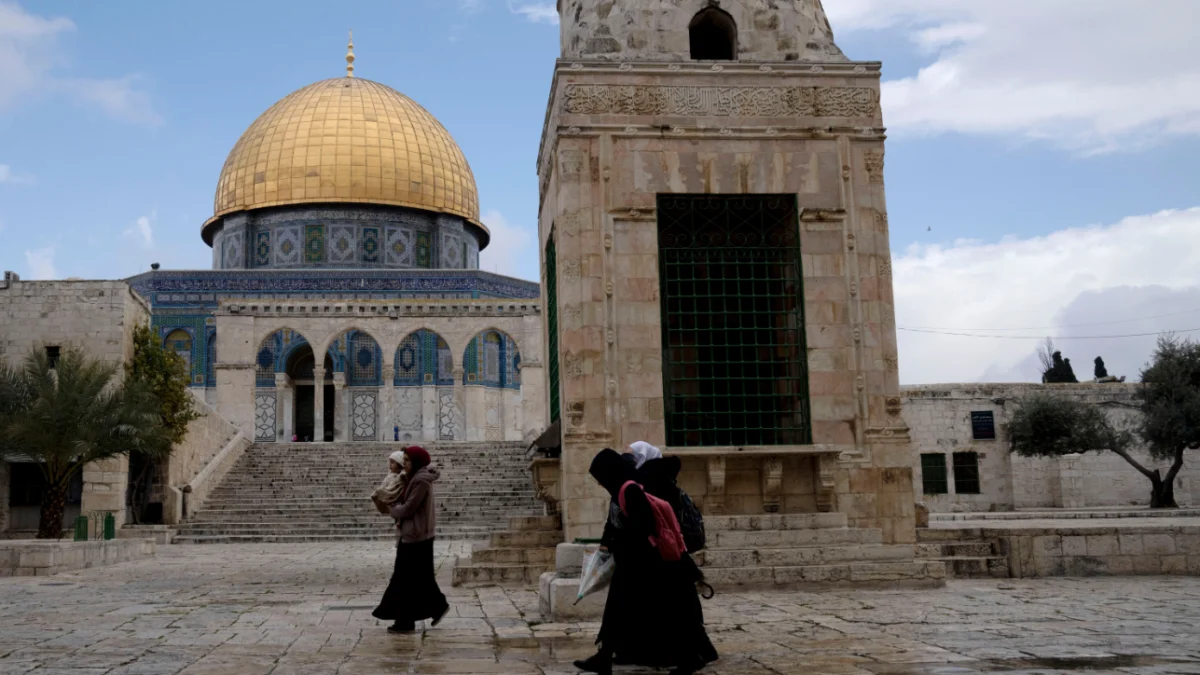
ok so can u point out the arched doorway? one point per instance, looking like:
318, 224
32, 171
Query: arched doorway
300, 367
491, 376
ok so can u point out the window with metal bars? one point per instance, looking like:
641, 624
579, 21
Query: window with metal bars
966, 473
735, 368
552, 326
933, 474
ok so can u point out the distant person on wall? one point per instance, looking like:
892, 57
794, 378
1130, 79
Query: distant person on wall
412, 594
653, 616
393, 484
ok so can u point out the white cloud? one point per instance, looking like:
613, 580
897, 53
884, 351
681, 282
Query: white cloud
31, 57
1141, 267
1093, 76
513, 250
541, 11
143, 229
7, 175
40, 263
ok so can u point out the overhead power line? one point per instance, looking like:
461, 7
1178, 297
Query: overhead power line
1060, 327
1043, 337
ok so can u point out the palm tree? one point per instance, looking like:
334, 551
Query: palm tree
71, 412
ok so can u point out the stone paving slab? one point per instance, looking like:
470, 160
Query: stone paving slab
304, 609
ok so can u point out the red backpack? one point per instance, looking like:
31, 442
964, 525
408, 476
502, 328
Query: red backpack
668, 538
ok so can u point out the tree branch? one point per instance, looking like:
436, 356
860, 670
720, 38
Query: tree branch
1175, 467
1134, 463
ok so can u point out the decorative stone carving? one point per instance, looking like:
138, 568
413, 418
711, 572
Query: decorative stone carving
873, 159
885, 269
363, 415
714, 501
604, 99
572, 317
826, 483
264, 417
493, 427
571, 270
409, 412
891, 362
573, 364
893, 406
545, 473
772, 483
575, 414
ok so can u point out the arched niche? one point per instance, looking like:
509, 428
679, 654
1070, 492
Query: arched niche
713, 35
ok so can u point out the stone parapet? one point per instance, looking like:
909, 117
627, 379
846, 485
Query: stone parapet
23, 558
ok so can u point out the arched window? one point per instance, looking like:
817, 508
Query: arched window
179, 341
713, 35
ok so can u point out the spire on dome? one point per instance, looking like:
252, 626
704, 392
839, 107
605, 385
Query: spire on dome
350, 56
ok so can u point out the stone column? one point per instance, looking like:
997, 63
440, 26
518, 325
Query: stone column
340, 408
429, 413
387, 401
283, 413
474, 411
318, 404
460, 402
104, 486
532, 417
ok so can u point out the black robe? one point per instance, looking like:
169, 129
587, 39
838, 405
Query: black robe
653, 615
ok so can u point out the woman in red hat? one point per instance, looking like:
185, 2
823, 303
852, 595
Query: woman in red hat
413, 594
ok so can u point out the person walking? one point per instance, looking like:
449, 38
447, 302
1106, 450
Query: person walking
413, 594
653, 616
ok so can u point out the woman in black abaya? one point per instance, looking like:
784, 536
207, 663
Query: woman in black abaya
653, 616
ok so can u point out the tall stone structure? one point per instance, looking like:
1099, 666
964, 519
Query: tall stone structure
716, 269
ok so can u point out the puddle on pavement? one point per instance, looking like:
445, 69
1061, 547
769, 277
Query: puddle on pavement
1066, 664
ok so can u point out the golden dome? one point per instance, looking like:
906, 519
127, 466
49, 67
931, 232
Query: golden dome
346, 140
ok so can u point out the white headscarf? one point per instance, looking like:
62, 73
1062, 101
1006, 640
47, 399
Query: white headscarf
397, 457
644, 452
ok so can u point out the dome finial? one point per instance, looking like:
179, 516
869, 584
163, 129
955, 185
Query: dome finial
350, 56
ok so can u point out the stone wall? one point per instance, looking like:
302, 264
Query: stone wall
1102, 551
97, 316
767, 30
939, 417
46, 558
207, 436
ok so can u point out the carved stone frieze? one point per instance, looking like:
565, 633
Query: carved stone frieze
893, 406
571, 270
605, 99
571, 162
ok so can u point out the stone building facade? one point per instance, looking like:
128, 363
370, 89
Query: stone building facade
962, 460
684, 141
345, 300
99, 316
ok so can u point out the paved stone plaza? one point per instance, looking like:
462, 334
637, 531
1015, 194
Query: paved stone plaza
289, 609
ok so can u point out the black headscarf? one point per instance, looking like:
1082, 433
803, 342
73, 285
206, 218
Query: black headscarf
610, 471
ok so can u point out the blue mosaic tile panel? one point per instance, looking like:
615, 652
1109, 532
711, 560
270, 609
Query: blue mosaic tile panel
289, 242
262, 248
370, 244
423, 358
343, 247
424, 250
314, 243
491, 360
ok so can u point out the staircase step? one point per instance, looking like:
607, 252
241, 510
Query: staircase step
975, 567
793, 538
776, 521
907, 574
499, 574
514, 556
808, 555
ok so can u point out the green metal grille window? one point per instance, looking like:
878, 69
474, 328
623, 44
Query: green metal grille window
735, 368
933, 474
966, 473
552, 326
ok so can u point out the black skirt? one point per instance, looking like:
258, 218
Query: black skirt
653, 615
413, 594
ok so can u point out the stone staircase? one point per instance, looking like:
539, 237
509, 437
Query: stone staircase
300, 492
811, 550
518, 555
966, 552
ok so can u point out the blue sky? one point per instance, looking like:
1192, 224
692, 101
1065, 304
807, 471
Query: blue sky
1038, 176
